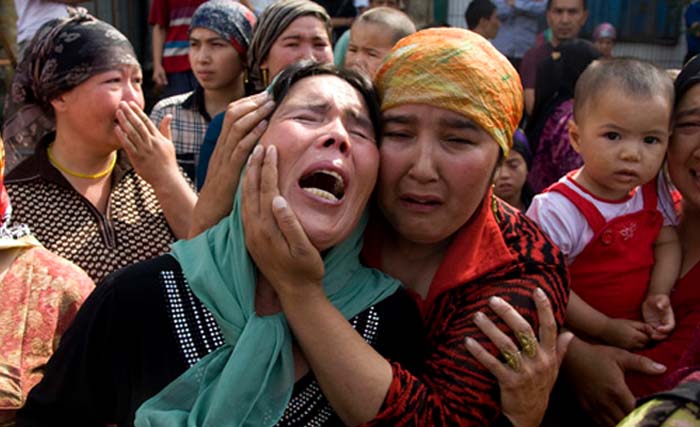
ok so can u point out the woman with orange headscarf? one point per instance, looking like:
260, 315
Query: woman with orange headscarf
450, 105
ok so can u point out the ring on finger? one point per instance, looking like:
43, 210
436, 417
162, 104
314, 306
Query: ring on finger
528, 344
513, 359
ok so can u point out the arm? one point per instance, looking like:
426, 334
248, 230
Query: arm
586, 320
598, 376
453, 389
147, 146
656, 309
160, 77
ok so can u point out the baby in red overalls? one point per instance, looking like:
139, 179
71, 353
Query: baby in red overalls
614, 216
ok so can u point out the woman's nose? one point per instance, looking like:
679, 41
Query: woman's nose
306, 51
338, 137
132, 92
423, 168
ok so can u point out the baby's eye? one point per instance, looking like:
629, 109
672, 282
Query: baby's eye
651, 140
613, 136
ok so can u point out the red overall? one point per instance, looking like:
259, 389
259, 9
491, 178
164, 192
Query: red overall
612, 272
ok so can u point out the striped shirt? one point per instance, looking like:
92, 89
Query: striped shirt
174, 16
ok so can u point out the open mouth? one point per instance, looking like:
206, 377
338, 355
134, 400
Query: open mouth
323, 183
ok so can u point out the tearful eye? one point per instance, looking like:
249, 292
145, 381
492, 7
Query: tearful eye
324, 183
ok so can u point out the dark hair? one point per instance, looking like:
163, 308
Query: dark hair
300, 70
476, 10
687, 78
549, 4
633, 76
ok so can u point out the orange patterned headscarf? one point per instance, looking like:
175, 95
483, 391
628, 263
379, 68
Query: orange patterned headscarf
457, 70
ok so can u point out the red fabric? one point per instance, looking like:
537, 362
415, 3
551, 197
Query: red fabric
508, 258
612, 273
531, 59
685, 300
174, 16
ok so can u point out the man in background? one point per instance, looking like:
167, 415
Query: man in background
565, 18
519, 26
482, 19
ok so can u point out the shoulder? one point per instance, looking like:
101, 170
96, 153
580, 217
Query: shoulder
171, 102
60, 271
26, 171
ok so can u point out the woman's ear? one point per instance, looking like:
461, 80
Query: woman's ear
59, 103
574, 136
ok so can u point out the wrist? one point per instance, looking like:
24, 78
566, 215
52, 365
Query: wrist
293, 295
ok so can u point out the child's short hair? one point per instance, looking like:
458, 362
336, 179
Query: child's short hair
396, 21
633, 76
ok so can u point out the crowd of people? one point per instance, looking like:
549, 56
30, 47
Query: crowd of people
331, 220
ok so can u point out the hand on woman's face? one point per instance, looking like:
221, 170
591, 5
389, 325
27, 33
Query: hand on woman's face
305, 38
436, 168
328, 156
684, 149
91, 107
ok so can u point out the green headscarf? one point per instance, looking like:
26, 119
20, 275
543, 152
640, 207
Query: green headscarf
249, 380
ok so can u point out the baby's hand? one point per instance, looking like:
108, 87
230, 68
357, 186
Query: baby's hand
627, 334
658, 314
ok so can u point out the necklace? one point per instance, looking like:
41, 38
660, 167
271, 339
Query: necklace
65, 170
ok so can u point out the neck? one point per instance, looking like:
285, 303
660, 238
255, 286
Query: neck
415, 264
85, 158
515, 201
216, 101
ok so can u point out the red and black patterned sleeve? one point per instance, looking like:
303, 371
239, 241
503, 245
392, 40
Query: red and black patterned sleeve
452, 388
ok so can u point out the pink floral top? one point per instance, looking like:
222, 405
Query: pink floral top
41, 293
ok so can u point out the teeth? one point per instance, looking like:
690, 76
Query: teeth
334, 175
321, 193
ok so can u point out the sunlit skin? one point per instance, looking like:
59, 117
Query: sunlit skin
215, 62
369, 44
684, 149
96, 101
510, 178
304, 38
622, 145
565, 18
435, 170
323, 124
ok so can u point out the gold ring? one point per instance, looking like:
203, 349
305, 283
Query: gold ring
528, 343
513, 359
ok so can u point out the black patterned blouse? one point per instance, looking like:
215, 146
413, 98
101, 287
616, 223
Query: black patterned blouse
133, 228
143, 327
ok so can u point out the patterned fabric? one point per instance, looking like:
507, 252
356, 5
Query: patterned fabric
198, 335
228, 18
64, 53
503, 255
457, 70
604, 31
133, 228
554, 155
41, 294
188, 127
271, 24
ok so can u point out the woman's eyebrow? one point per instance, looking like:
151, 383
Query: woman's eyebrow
459, 123
688, 112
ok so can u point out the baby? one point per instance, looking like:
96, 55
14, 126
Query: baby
613, 217
372, 36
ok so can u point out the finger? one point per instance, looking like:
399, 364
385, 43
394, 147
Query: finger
240, 120
242, 150
240, 108
133, 126
623, 404
498, 369
500, 340
250, 193
124, 141
165, 126
143, 118
563, 341
636, 362
269, 185
515, 321
291, 229
548, 325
